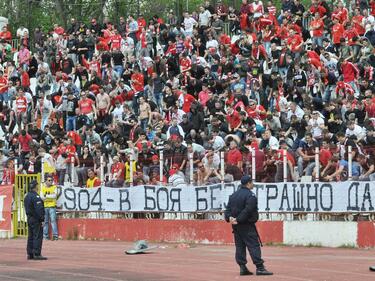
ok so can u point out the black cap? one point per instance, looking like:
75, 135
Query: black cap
33, 184
246, 179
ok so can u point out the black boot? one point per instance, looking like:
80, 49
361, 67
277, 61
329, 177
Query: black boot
263, 271
40, 258
244, 270
30, 257
372, 268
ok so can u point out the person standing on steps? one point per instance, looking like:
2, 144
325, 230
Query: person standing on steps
34, 208
242, 214
49, 196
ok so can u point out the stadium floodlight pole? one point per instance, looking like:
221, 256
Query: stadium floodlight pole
102, 169
253, 164
317, 164
131, 178
191, 167
285, 166
350, 160
161, 164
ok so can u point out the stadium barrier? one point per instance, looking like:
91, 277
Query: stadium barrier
19, 218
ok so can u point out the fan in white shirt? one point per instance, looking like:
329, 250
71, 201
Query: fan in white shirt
355, 130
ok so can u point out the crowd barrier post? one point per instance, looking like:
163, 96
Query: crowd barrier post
42, 170
131, 169
15, 166
317, 164
350, 160
161, 164
222, 171
253, 164
191, 168
285, 166
72, 171
102, 179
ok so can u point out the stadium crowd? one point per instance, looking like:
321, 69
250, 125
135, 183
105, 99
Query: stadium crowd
294, 79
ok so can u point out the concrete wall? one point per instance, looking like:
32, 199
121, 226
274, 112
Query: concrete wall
307, 233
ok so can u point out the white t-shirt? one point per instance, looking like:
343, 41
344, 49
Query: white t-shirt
204, 18
316, 129
189, 24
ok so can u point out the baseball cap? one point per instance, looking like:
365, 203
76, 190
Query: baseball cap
246, 179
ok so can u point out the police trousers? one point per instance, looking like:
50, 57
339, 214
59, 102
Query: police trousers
246, 236
34, 238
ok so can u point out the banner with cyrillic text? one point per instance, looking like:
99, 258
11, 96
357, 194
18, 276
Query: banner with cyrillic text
273, 197
6, 198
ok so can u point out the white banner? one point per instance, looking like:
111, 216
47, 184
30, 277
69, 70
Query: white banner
273, 197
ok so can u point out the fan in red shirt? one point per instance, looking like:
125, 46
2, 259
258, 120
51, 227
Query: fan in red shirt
350, 33
171, 50
186, 100
141, 25
5, 34
116, 41
317, 29
233, 119
118, 173
137, 81
255, 111
185, 63
234, 156
357, 22
294, 42
25, 139
317, 8
337, 31
325, 153
341, 13
59, 30
3, 84
86, 105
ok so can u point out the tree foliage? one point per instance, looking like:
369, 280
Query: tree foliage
44, 13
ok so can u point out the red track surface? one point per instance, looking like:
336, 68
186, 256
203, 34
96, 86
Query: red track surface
105, 261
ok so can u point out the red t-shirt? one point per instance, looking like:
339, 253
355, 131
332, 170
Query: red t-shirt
24, 142
188, 100
318, 26
85, 106
234, 156
3, 85
138, 82
117, 168
234, 119
337, 33
116, 42
357, 20
325, 156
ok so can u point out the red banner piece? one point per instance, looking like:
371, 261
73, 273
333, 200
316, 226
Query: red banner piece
6, 207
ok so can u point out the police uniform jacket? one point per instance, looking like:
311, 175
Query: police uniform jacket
242, 205
34, 207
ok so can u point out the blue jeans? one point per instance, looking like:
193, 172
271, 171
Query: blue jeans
71, 122
158, 100
4, 97
50, 216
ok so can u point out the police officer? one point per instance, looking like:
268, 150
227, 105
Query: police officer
35, 217
242, 213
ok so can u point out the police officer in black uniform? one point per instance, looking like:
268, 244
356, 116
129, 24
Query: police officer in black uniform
242, 213
34, 208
